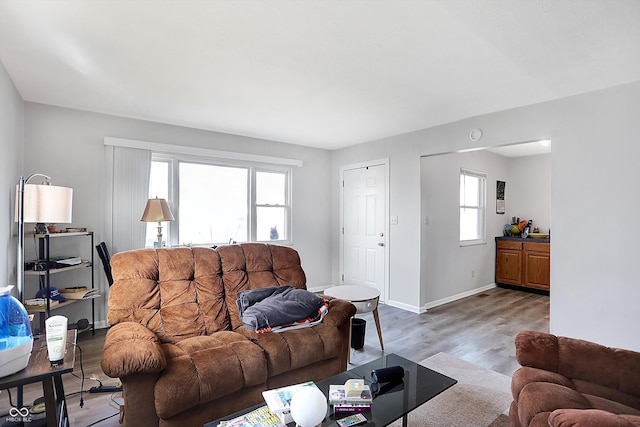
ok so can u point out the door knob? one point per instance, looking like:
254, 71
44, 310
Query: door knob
380, 244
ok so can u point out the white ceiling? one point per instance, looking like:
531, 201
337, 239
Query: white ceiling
327, 73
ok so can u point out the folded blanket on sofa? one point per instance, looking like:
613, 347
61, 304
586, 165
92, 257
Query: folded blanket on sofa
267, 308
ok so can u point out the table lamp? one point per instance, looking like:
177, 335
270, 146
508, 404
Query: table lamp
308, 406
157, 210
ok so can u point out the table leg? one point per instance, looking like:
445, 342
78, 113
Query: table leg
49, 401
349, 342
377, 319
61, 398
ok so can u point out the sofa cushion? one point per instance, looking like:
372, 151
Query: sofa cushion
289, 350
589, 418
204, 368
257, 265
175, 292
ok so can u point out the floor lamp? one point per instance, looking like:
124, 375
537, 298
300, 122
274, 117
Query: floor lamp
38, 204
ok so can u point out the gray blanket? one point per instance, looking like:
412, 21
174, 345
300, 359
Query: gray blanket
276, 306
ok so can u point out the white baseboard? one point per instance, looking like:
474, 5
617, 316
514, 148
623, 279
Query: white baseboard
424, 308
101, 324
403, 306
319, 288
456, 297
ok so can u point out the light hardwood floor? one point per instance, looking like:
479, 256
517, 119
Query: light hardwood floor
479, 329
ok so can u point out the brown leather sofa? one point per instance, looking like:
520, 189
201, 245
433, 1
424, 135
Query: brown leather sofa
567, 382
179, 347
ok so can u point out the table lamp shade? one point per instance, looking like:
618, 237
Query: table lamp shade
46, 204
157, 210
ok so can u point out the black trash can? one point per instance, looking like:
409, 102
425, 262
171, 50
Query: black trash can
358, 328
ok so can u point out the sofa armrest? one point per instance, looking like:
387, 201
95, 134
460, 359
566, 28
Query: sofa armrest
130, 348
590, 418
580, 360
340, 311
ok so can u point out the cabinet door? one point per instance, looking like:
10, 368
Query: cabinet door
509, 267
536, 270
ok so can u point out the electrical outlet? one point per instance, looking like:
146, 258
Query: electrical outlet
473, 273
426, 220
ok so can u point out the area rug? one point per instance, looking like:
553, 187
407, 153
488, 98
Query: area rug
481, 398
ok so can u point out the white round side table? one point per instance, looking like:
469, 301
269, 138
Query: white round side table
365, 298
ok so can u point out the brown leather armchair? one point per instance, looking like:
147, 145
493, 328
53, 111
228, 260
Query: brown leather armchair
567, 382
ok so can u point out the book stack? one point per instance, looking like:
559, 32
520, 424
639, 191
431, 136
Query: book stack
350, 398
79, 292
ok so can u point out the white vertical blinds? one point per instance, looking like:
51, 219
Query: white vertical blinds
130, 191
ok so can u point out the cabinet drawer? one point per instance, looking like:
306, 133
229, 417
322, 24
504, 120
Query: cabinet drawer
509, 244
537, 247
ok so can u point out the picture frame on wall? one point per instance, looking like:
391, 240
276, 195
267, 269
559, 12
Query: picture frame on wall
500, 204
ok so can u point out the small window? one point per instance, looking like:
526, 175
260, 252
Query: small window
472, 207
271, 207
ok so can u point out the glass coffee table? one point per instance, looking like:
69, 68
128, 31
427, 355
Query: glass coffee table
419, 385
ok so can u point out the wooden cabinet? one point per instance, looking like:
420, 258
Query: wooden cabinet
522, 262
509, 262
537, 262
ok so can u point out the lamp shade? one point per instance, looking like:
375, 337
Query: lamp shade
46, 204
157, 210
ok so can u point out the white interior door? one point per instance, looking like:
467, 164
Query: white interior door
364, 209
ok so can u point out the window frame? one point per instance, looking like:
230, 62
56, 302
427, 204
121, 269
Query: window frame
481, 208
173, 198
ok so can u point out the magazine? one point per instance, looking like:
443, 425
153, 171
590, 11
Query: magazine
260, 417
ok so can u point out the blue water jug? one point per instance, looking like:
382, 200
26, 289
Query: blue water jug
16, 340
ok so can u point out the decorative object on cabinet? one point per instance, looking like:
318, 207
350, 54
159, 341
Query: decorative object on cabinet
50, 268
157, 210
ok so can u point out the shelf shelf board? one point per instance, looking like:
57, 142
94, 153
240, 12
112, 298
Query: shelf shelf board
53, 235
83, 264
59, 305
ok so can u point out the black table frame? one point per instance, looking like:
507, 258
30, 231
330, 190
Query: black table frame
419, 385
39, 369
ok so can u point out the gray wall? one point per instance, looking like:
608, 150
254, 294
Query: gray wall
594, 179
528, 190
447, 269
69, 147
11, 147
